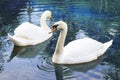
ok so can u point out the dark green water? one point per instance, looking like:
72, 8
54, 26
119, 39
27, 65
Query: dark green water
98, 19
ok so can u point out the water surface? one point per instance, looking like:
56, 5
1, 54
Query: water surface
97, 19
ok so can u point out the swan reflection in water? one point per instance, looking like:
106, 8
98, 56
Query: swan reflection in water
45, 64
28, 51
66, 71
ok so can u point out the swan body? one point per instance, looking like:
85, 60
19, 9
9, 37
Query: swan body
30, 34
77, 51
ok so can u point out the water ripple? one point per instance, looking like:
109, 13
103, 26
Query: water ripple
6, 47
46, 65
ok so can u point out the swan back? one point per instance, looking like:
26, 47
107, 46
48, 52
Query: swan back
29, 31
84, 50
29, 34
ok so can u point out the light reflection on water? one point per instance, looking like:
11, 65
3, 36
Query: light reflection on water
84, 18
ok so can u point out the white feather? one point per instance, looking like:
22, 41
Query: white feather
77, 51
30, 34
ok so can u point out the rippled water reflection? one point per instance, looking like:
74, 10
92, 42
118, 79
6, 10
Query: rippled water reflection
98, 19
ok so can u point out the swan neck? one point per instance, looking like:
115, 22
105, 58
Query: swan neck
60, 42
43, 22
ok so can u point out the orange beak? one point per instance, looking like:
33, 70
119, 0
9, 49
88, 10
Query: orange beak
53, 30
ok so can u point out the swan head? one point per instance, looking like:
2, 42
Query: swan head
48, 14
60, 25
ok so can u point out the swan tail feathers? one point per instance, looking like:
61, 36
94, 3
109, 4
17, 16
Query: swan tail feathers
9, 36
15, 41
108, 44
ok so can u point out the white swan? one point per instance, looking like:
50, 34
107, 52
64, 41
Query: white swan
77, 51
30, 34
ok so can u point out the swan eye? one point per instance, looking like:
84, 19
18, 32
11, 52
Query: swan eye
55, 26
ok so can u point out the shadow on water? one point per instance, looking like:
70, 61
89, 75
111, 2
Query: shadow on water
84, 67
64, 72
28, 51
58, 72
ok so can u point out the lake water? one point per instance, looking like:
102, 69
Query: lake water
98, 19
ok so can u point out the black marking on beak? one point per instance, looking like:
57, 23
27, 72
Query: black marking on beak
53, 29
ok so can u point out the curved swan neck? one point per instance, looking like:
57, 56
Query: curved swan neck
61, 40
43, 21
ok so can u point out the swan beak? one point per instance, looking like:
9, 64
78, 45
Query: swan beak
51, 18
53, 30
